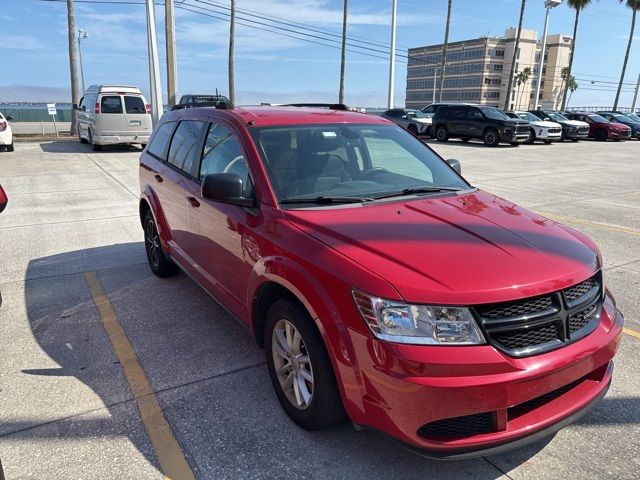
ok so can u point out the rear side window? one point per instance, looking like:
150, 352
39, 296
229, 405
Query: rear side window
160, 141
185, 143
111, 104
134, 105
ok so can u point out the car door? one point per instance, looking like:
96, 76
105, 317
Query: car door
474, 123
216, 230
111, 120
137, 120
456, 121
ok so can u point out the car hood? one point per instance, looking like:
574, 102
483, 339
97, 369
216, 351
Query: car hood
422, 120
455, 249
545, 124
619, 126
575, 123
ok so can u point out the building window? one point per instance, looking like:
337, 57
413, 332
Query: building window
497, 68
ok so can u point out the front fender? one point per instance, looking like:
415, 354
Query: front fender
150, 196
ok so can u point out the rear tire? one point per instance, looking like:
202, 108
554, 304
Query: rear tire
442, 134
158, 262
532, 137
320, 405
490, 138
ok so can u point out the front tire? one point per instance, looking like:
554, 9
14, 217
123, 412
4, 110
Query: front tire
490, 138
158, 262
442, 134
601, 135
532, 137
299, 367
413, 129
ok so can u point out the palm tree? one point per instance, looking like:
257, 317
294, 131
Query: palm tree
578, 6
634, 5
515, 56
232, 34
343, 50
521, 79
573, 86
444, 51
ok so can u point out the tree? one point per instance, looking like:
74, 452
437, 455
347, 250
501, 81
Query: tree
444, 50
232, 34
572, 85
343, 51
516, 47
73, 62
634, 5
578, 6
521, 79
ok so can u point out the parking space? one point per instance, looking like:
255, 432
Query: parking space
67, 403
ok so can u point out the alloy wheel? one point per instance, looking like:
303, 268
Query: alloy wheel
292, 364
152, 241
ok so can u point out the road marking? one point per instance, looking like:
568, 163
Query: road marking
617, 228
633, 333
172, 461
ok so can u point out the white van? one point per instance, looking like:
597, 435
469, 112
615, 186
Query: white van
113, 114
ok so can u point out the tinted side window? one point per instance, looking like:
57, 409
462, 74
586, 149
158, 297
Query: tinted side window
185, 144
134, 105
429, 109
475, 114
457, 113
160, 140
111, 104
223, 154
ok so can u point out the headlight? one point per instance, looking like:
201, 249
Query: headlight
508, 130
418, 324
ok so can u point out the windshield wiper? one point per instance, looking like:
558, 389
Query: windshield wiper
424, 189
322, 200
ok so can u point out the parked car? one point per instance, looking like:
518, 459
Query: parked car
433, 108
6, 134
202, 99
113, 115
414, 121
379, 281
538, 129
571, 129
600, 128
483, 122
617, 117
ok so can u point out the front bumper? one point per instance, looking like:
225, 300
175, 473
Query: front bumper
620, 135
575, 134
547, 135
406, 389
120, 139
6, 137
513, 137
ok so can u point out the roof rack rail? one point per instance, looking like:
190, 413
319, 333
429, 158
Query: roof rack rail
221, 105
330, 106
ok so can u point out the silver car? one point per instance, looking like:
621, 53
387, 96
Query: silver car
414, 121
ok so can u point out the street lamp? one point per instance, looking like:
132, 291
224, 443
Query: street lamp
435, 71
82, 35
549, 4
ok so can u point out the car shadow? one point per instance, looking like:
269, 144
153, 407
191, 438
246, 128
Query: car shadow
470, 143
209, 376
75, 147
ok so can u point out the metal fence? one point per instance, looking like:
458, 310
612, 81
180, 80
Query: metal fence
35, 114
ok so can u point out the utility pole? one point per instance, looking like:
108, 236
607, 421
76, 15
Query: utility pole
154, 68
343, 51
232, 34
82, 35
635, 96
392, 59
73, 61
170, 36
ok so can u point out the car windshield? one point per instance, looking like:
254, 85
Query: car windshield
494, 113
598, 119
633, 117
354, 162
528, 116
209, 98
623, 118
417, 114
557, 117
511, 114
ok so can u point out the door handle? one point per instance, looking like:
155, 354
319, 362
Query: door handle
158, 178
193, 201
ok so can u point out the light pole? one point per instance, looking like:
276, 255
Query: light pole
549, 4
82, 35
435, 71
154, 68
392, 59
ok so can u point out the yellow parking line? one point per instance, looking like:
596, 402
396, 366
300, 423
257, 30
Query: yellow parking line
617, 228
172, 461
633, 333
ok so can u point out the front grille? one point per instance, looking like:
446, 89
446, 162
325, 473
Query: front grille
459, 426
583, 130
522, 129
535, 325
555, 130
530, 405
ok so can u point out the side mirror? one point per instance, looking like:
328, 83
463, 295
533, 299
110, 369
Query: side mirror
3, 199
75, 106
9, 118
225, 188
404, 117
455, 164
84, 108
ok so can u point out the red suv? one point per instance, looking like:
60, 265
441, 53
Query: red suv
379, 282
600, 128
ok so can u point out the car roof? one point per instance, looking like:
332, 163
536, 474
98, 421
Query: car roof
261, 116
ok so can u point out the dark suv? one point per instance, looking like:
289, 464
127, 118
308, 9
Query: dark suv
571, 129
483, 122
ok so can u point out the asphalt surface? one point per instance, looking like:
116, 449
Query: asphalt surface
66, 407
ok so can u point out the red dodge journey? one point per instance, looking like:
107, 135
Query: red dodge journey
381, 284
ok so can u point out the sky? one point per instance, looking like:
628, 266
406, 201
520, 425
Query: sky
272, 67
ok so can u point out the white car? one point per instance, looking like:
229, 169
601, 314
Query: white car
6, 135
540, 129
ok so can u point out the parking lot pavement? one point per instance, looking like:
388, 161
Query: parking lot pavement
66, 405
